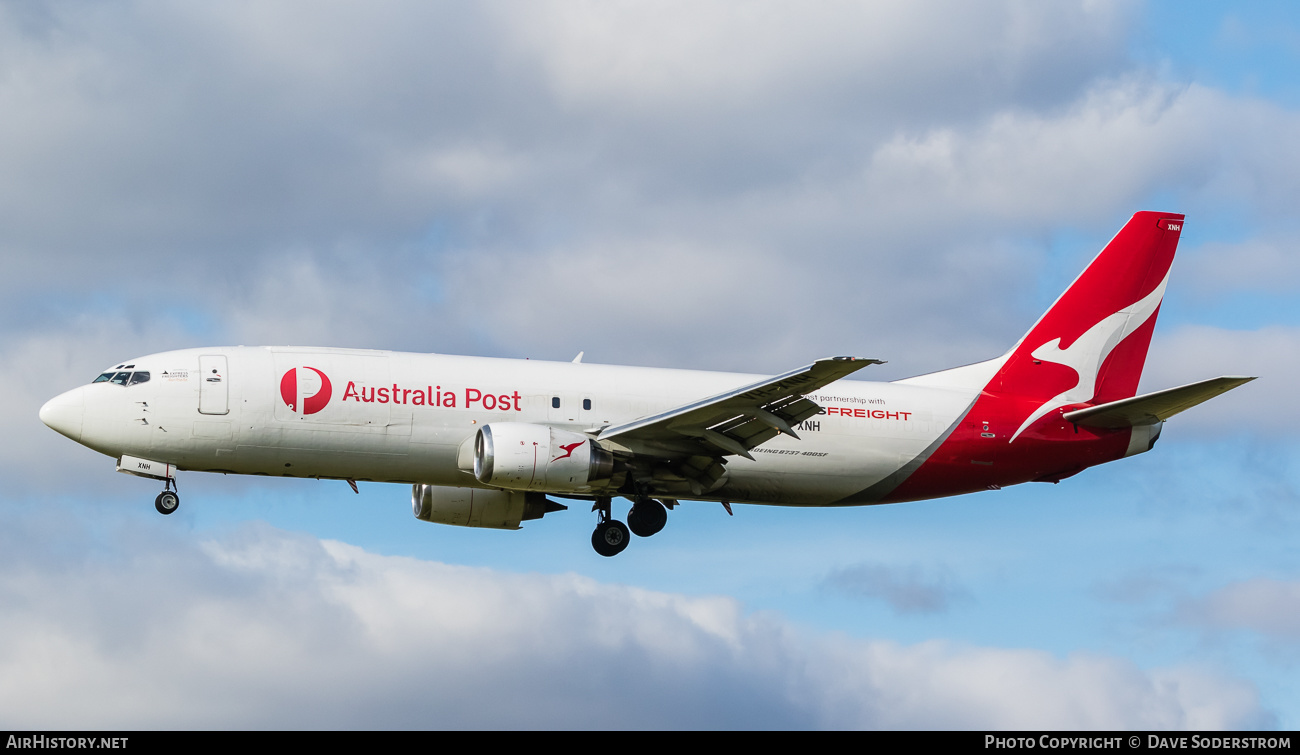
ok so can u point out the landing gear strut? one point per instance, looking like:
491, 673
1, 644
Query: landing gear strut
169, 500
611, 536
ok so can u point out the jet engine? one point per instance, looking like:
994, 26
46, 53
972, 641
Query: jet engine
522, 456
470, 507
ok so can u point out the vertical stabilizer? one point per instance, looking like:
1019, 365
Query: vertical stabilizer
1087, 349
1091, 345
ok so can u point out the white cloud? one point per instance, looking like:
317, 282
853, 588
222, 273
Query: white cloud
908, 590
1258, 264
267, 629
1198, 352
712, 183
1268, 606
658, 300
661, 60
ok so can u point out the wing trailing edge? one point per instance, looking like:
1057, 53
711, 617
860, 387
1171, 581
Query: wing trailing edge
696, 438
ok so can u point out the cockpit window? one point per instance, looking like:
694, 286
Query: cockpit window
122, 378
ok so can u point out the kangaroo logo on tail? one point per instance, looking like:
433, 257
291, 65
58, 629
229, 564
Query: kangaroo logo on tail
1089, 351
1091, 343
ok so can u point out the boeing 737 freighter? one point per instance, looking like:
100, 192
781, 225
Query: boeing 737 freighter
484, 442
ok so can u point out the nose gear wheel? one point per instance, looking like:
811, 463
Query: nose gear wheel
169, 500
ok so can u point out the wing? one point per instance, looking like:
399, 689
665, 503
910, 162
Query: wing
1153, 407
695, 439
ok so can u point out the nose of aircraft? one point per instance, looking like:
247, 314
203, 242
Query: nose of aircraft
64, 413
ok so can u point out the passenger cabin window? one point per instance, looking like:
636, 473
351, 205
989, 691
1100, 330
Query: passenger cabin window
586, 404
555, 402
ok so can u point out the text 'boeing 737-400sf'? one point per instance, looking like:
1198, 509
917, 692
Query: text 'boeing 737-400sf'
483, 441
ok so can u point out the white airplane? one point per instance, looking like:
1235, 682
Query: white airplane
483, 442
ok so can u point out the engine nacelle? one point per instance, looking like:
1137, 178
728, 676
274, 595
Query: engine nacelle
470, 507
523, 456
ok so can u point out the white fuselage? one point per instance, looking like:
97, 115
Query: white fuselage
401, 417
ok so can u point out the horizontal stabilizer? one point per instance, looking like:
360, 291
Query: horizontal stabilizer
1155, 407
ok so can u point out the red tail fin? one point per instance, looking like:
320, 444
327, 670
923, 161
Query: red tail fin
1089, 348
1091, 345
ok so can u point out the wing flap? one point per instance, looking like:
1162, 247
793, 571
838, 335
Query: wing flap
1150, 408
734, 422
758, 425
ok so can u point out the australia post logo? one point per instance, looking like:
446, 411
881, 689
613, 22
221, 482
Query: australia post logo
306, 390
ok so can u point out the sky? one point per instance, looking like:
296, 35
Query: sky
712, 185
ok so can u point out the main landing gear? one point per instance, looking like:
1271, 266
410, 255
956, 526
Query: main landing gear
611, 536
169, 500
647, 517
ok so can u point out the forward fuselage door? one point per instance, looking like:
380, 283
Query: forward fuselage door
214, 385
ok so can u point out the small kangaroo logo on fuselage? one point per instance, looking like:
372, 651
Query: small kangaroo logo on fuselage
568, 450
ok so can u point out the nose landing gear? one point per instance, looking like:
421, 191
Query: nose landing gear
169, 500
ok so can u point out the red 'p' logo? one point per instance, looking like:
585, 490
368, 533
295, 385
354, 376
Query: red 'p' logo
291, 383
